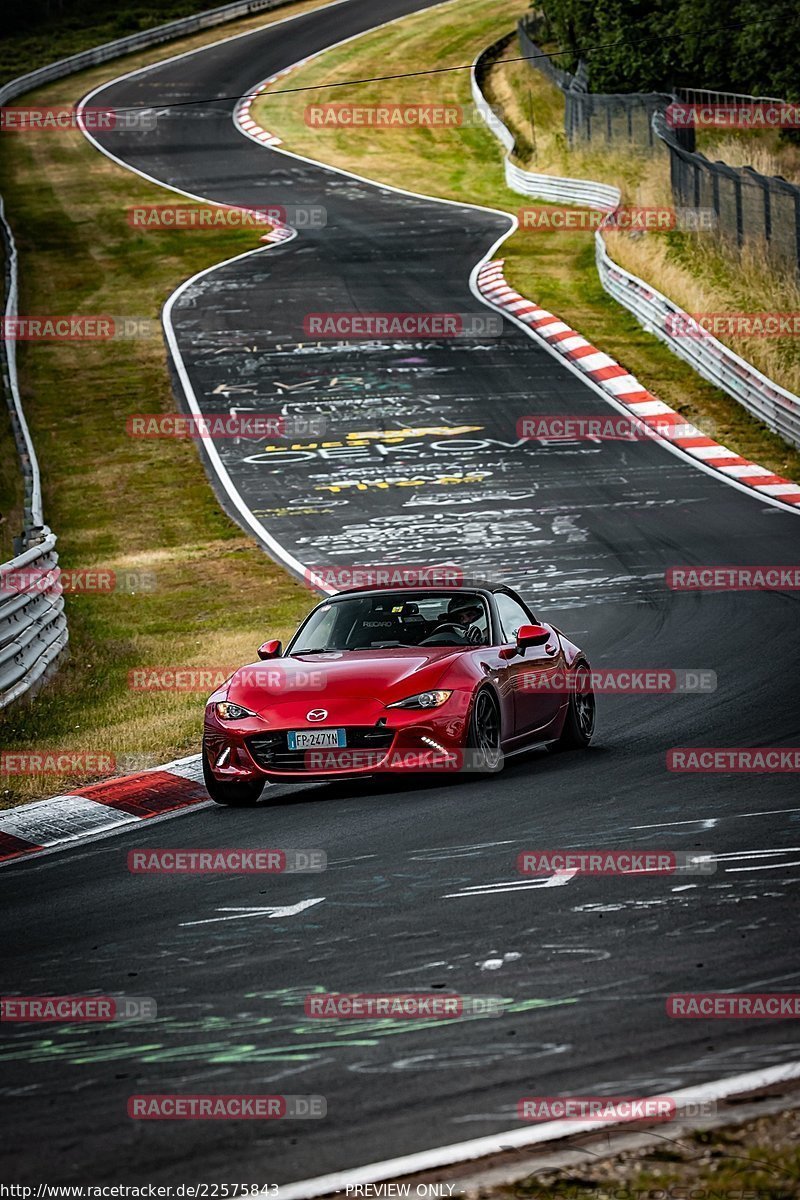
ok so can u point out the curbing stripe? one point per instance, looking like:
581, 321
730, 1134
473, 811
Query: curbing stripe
667, 424
62, 820
13, 847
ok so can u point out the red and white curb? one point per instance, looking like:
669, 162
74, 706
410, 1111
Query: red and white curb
250, 128
100, 808
241, 113
625, 389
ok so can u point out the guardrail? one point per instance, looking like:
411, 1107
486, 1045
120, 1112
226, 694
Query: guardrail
32, 519
135, 41
33, 624
528, 183
777, 407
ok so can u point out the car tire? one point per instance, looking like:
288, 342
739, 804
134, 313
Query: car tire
579, 724
483, 734
234, 794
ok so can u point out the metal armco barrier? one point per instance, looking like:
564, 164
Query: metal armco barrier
559, 189
33, 624
778, 408
747, 205
527, 183
476, 75
136, 41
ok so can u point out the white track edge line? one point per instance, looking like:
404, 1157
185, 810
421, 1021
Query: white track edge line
459, 1152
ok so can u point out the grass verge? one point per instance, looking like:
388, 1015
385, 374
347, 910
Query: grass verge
116, 503
694, 270
465, 163
756, 1160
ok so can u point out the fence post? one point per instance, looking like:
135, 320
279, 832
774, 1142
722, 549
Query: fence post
739, 214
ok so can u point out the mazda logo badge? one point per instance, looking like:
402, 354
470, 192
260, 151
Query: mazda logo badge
317, 714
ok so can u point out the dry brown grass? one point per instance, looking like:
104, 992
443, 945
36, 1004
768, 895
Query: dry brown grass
114, 502
763, 151
698, 272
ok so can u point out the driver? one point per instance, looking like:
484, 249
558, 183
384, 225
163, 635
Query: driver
463, 612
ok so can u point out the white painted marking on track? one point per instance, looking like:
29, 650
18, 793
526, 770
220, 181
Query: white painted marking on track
733, 855
710, 822
772, 866
559, 879
270, 911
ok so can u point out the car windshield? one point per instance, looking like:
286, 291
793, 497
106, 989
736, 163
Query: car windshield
387, 620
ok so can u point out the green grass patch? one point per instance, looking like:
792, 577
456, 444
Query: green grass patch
755, 1160
115, 502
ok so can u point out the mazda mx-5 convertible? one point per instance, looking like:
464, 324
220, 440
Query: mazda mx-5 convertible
398, 679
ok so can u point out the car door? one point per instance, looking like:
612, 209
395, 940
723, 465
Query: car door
536, 674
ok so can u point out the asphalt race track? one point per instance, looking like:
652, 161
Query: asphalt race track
411, 900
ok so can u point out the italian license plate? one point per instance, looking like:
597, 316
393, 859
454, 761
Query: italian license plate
314, 739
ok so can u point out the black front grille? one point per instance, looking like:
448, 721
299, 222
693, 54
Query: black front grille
368, 744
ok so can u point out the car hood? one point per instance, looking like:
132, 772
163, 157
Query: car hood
306, 681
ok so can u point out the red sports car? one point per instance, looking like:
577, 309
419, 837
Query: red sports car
397, 679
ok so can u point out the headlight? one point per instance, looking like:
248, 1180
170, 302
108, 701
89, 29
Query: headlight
231, 712
423, 700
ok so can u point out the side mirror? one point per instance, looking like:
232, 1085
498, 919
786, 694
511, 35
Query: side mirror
531, 635
270, 650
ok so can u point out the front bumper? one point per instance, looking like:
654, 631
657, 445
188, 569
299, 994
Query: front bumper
402, 740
